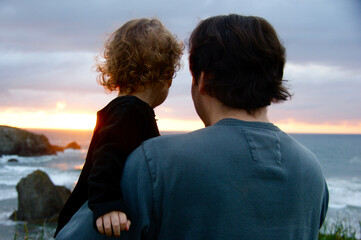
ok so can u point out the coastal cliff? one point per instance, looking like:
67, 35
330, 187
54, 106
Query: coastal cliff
16, 141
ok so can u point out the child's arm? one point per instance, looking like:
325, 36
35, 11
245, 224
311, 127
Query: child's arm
123, 131
113, 223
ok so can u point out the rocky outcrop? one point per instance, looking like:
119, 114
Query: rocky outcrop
23, 143
16, 141
39, 200
73, 145
13, 160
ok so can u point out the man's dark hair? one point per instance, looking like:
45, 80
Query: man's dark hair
242, 59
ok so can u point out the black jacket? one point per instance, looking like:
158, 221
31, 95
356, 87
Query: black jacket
121, 127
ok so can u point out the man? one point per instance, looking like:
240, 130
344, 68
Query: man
241, 177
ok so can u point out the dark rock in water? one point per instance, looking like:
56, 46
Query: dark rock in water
13, 160
39, 200
58, 148
64, 193
73, 145
15, 141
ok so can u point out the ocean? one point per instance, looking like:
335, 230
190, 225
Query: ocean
339, 155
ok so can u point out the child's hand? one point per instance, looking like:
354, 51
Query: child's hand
112, 223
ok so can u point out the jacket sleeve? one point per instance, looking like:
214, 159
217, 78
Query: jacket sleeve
138, 190
324, 205
117, 138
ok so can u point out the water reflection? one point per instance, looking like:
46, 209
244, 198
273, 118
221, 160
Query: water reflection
62, 166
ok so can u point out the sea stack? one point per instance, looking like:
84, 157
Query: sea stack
39, 200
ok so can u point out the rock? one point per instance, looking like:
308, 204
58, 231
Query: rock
64, 193
73, 145
13, 160
39, 200
57, 148
15, 141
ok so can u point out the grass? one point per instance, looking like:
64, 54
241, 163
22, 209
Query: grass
341, 230
35, 233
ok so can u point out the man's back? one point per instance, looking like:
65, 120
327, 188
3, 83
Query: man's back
232, 180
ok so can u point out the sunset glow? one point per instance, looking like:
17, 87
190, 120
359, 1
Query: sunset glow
61, 105
345, 127
169, 124
45, 120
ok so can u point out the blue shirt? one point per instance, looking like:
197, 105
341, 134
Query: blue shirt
232, 180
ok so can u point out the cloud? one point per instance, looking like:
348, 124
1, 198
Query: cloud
48, 71
322, 94
34, 100
82, 25
323, 31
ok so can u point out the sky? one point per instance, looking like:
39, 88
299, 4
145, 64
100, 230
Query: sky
48, 50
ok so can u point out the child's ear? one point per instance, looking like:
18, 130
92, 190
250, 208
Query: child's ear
170, 82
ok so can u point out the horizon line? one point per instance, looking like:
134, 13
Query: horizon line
187, 131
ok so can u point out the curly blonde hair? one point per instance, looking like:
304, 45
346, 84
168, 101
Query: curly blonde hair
141, 51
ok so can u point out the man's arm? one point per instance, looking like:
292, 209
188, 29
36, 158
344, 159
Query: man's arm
137, 190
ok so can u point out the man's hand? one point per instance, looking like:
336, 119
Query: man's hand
112, 223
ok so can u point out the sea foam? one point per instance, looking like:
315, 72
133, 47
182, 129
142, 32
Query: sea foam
21, 159
344, 192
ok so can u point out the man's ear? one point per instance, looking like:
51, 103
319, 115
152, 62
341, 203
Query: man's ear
201, 83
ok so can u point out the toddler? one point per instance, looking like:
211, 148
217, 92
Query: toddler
140, 60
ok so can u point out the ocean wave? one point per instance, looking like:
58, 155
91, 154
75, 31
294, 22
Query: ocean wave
63, 178
34, 159
77, 151
343, 206
344, 192
4, 219
8, 193
11, 174
53, 165
337, 206
71, 152
45, 158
